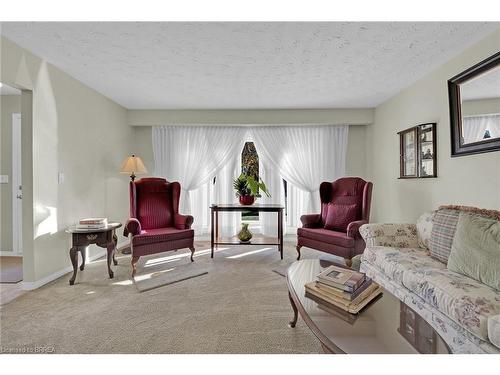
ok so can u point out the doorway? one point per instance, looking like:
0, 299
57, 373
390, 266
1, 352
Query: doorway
17, 193
11, 249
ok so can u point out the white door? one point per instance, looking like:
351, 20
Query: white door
16, 184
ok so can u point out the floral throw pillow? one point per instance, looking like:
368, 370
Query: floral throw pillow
424, 229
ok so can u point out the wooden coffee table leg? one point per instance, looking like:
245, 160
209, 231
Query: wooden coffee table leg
295, 312
73, 255
111, 252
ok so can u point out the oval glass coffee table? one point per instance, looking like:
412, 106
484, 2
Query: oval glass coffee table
384, 326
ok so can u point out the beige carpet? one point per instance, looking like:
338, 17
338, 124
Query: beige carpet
240, 306
157, 276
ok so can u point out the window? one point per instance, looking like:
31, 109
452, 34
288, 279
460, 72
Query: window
250, 167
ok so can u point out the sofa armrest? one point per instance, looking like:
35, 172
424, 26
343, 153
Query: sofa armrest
183, 221
353, 228
310, 221
132, 226
494, 330
390, 235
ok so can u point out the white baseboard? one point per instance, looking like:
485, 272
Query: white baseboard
5, 253
47, 279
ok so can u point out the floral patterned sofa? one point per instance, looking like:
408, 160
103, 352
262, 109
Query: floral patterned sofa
465, 312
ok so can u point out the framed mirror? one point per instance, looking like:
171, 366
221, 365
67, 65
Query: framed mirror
474, 97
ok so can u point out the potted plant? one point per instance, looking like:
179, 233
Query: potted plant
248, 188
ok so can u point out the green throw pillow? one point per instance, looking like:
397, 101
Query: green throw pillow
475, 251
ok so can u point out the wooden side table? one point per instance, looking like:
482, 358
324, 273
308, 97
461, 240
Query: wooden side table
214, 223
81, 238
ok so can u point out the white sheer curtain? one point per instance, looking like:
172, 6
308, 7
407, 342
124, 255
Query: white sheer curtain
305, 155
193, 155
474, 127
296, 203
229, 222
274, 182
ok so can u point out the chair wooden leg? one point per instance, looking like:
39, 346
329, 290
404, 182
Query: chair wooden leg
134, 265
298, 251
192, 253
348, 262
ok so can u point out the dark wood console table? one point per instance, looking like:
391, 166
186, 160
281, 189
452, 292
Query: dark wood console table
81, 238
214, 222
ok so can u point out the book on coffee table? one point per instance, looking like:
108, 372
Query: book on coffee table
354, 306
342, 278
341, 293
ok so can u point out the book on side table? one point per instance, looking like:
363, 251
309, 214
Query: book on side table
343, 288
92, 223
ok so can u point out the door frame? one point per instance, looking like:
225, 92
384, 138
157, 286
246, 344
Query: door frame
17, 232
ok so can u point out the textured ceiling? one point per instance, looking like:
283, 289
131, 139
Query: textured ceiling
247, 65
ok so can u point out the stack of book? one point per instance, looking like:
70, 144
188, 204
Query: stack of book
343, 288
93, 223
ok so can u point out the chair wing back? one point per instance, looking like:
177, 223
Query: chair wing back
347, 190
154, 202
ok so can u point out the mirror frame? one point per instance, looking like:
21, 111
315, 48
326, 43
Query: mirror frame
457, 147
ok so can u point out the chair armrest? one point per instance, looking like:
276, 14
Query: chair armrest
389, 235
183, 221
310, 221
353, 228
132, 226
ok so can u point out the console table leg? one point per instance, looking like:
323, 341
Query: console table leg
212, 233
280, 233
295, 312
216, 229
73, 255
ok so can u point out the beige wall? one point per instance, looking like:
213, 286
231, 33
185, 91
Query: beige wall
9, 104
356, 149
339, 116
469, 180
78, 132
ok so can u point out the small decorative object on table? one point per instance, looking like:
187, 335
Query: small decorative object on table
248, 188
244, 234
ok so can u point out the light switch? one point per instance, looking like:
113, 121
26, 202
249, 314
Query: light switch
60, 178
4, 179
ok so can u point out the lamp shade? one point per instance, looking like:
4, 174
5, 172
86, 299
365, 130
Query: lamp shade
133, 165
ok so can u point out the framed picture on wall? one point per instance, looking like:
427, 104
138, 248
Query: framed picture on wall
417, 152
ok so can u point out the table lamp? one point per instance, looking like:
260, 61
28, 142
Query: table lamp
133, 165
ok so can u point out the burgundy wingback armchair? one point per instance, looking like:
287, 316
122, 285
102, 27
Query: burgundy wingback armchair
345, 206
155, 224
